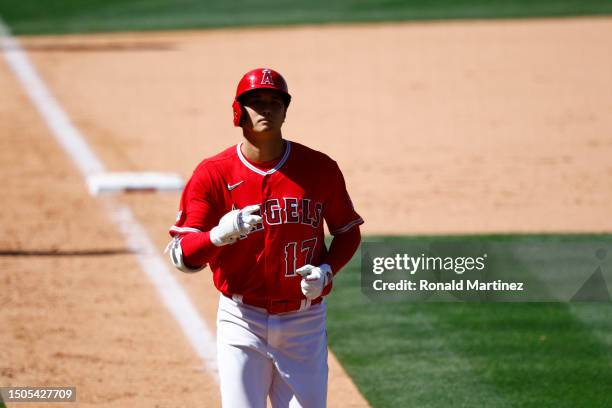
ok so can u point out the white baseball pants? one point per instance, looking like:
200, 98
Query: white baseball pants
282, 356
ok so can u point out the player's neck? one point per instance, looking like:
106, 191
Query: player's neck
262, 149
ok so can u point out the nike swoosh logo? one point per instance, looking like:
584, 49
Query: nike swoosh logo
230, 187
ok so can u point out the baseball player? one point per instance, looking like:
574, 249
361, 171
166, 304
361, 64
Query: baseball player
255, 213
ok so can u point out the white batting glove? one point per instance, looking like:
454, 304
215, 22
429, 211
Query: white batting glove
315, 279
234, 224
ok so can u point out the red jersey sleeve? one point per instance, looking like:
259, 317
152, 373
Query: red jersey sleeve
196, 217
197, 212
338, 211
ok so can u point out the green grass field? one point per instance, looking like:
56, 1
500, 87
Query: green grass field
403, 354
71, 16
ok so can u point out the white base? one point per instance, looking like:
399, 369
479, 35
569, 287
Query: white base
133, 182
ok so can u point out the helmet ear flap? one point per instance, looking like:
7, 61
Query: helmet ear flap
238, 112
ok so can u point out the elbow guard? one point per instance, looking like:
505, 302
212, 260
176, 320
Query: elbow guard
176, 256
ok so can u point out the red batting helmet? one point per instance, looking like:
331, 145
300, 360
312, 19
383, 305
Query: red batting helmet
257, 79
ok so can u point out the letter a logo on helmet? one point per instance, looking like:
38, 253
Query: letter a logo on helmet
259, 78
266, 79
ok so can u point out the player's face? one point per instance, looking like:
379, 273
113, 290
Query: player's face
265, 110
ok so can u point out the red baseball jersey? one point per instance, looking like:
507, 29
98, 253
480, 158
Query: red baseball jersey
303, 189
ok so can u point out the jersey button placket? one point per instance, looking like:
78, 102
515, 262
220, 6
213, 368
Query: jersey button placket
264, 197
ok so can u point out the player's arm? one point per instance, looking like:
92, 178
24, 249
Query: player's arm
199, 248
342, 248
199, 231
343, 222
191, 249
317, 279
191, 252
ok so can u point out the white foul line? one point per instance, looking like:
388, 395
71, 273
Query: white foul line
57, 120
72, 141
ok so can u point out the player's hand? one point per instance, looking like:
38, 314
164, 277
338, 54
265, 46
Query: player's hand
315, 279
234, 224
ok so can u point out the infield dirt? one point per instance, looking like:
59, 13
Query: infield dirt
454, 127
